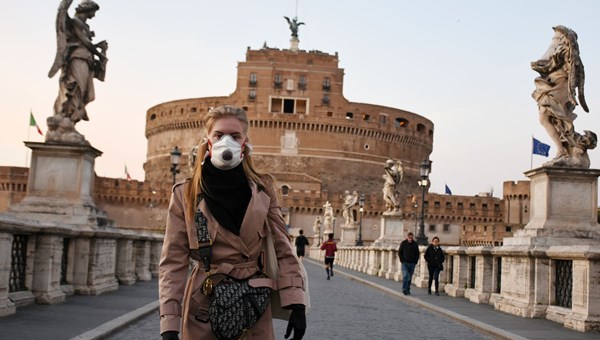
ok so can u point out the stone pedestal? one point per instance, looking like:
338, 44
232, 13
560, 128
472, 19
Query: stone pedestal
563, 219
348, 235
564, 205
294, 42
60, 187
392, 230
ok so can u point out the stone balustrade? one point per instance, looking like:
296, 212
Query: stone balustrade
489, 275
45, 262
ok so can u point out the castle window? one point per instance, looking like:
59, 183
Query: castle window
436, 204
277, 82
329, 114
508, 229
288, 106
253, 79
460, 205
446, 227
448, 205
366, 117
349, 115
302, 83
153, 116
325, 100
193, 110
285, 190
252, 95
484, 206
420, 127
401, 123
472, 206
367, 147
290, 85
326, 84
432, 227
383, 118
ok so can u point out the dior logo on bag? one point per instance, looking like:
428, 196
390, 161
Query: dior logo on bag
235, 306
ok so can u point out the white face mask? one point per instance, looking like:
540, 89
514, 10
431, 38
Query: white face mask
226, 153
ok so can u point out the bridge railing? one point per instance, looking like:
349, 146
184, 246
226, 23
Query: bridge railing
561, 284
45, 263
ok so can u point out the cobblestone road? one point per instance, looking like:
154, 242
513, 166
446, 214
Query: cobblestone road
345, 309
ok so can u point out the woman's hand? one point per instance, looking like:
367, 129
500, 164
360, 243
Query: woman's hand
297, 322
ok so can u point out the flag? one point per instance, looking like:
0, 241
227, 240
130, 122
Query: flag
127, 175
540, 148
32, 122
448, 192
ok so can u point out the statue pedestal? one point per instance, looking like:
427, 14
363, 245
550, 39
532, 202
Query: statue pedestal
294, 42
562, 226
392, 230
60, 187
564, 205
348, 235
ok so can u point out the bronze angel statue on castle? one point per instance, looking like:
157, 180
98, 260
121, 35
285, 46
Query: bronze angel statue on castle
559, 85
80, 61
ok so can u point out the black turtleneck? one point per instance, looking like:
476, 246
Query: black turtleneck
227, 194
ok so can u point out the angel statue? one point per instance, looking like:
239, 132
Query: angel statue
349, 202
328, 218
80, 61
561, 76
394, 173
294, 25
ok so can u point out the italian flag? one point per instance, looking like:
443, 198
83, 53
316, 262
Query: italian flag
127, 174
32, 122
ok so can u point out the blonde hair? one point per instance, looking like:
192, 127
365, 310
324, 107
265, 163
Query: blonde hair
196, 185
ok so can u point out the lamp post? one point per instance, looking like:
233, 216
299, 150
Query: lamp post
175, 154
424, 170
361, 204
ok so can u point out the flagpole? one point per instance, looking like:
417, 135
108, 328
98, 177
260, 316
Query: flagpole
531, 164
26, 148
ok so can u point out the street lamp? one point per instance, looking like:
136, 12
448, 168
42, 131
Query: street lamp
424, 170
361, 204
175, 154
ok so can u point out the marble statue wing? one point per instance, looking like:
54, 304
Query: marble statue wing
62, 32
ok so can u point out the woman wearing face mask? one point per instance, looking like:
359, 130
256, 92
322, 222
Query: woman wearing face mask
239, 205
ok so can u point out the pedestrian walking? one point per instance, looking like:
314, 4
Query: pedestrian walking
301, 242
222, 217
330, 248
408, 252
434, 256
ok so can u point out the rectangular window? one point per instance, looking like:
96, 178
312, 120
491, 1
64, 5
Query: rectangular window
253, 79
290, 85
288, 106
383, 118
325, 99
302, 83
277, 82
432, 227
252, 95
446, 227
326, 84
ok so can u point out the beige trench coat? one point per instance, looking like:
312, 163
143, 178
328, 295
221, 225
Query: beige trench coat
232, 254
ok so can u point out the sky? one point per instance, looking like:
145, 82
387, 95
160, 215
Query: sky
465, 65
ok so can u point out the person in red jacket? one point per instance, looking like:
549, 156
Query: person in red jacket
330, 248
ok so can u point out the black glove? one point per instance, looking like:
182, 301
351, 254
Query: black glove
170, 335
297, 322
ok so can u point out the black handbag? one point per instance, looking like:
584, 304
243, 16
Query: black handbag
234, 304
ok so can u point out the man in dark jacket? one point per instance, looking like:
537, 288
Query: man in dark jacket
301, 242
409, 256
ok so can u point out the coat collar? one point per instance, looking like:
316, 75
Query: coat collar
253, 222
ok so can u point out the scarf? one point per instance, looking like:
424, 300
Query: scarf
227, 194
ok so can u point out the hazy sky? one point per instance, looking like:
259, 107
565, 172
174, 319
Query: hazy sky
462, 64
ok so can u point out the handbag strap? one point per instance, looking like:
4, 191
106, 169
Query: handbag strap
204, 241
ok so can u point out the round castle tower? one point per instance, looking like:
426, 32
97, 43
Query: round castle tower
300, 123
